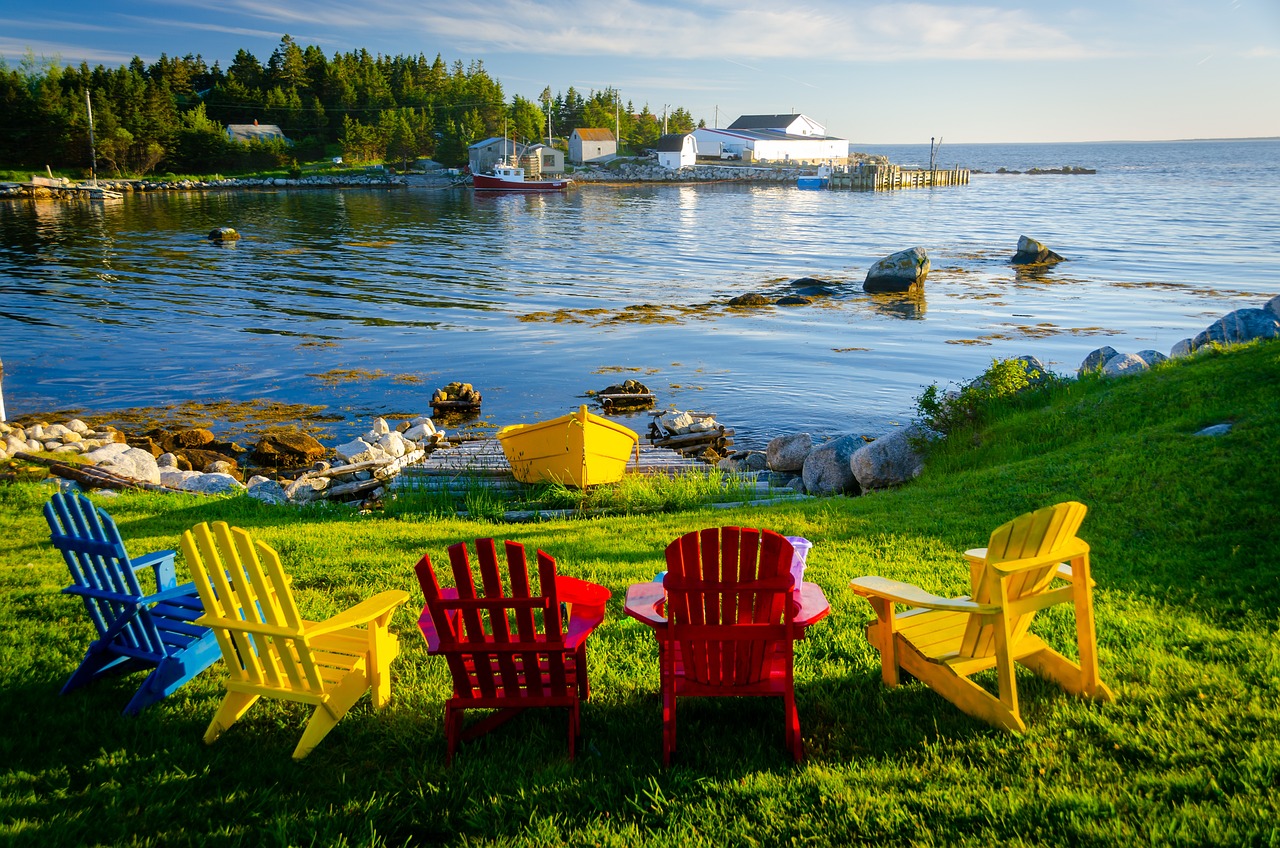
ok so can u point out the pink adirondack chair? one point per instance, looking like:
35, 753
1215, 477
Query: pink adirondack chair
508, 647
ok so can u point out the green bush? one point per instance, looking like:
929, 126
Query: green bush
943, 412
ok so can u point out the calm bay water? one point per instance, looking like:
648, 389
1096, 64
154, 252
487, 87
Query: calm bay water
537, 299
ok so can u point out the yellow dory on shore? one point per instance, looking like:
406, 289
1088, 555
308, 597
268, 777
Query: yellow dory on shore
579, 449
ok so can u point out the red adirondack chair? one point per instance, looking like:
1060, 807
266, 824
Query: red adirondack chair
732, 615
538, 662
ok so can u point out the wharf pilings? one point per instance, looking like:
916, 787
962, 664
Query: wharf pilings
880, 177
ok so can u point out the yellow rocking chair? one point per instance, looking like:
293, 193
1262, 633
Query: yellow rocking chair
944, 641
270, 650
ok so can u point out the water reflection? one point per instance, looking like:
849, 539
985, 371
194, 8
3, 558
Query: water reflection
909, 306
528, 296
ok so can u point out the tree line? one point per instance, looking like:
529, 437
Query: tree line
172, 115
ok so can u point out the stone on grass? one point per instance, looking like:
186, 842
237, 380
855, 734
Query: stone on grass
267, 491
826, 469
890, 460
134, 463
787, 453
1096, 359
1243, 325
215, 483
1124, 365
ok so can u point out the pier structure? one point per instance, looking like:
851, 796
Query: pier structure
866, 176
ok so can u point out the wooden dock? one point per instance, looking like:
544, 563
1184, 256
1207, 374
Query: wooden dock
868, 177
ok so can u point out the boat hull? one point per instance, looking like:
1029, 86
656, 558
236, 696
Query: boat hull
487, 182
577, 450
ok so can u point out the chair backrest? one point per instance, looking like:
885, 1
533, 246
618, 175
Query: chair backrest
250, 608
1033, 535
729, 603
101, 573
501, 642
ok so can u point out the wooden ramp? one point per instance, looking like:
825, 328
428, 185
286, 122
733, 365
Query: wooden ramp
483, 459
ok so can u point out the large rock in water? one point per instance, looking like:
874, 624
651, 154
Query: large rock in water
898, 272
888, 461
827, 470
287, 449
1033, 252
1243, 325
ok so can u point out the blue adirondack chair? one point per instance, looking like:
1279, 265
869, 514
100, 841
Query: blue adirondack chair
136, 630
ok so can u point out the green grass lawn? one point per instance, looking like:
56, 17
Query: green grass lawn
1185, 532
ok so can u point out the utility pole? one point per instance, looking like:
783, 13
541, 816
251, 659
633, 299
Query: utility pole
617, 120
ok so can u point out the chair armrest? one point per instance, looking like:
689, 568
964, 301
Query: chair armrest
642, 603
162, 563
181, 591
428, 626
586, 602
905, 593
1061, 554
812, 605
362, 613
580, 627
571, 590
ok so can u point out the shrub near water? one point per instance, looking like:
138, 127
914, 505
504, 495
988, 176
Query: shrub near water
1185, 546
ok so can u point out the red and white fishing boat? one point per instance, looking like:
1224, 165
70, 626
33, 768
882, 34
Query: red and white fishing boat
508, 177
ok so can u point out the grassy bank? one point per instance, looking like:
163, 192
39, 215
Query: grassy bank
1185, 544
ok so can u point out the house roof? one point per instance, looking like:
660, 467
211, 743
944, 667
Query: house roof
492, 140
246, 132
594, 134
770, 135
672, 143
763, 122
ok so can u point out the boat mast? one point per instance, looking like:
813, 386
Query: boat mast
93, 153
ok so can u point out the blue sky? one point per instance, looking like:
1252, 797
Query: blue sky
873, 72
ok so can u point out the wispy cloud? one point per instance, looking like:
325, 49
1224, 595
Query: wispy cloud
1261, 52
65, 53
709, 29
169, 24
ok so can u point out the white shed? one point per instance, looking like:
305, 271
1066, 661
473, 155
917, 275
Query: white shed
677, 150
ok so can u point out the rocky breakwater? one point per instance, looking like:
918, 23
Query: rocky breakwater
1238, 327
193, 461
375, 179
624, 171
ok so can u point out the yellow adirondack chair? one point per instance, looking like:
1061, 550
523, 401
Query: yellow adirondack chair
269, 649
943, 641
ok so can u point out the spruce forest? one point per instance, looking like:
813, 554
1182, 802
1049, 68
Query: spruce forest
171, 116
